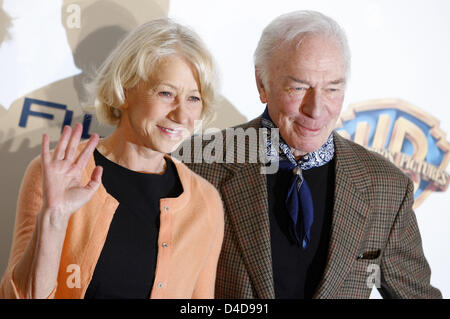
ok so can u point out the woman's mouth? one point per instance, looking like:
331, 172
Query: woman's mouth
170, 131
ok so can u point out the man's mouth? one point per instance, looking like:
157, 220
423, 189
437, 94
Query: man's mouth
310, 129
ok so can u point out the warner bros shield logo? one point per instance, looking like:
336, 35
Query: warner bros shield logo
405, 135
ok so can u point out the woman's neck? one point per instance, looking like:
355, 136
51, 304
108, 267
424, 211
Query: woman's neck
120, 148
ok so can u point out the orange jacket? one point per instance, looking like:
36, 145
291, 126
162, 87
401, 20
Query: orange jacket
189, 242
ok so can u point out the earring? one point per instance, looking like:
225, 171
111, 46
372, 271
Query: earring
116, 112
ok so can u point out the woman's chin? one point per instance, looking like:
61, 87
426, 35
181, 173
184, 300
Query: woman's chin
165, 143
169, 147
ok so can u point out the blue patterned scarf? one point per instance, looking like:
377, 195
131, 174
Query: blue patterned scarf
299, 194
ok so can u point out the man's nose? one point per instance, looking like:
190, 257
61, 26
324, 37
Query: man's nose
311, 104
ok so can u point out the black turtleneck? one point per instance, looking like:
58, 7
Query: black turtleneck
298, 272
127, 263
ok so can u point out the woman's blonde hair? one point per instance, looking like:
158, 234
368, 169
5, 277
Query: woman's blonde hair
137, 55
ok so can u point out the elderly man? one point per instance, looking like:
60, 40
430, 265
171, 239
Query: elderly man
335, 219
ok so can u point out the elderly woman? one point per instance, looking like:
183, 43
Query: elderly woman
118, 217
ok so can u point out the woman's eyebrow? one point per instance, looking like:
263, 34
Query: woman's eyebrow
176, 88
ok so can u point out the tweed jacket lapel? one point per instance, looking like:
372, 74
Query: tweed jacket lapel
351, 208
245, 194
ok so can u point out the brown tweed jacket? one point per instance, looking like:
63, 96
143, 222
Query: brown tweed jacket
373, 223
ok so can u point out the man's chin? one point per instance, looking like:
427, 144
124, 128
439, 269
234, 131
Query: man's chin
300, 149
307, 143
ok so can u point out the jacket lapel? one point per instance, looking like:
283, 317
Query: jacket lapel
351, 208
245, 198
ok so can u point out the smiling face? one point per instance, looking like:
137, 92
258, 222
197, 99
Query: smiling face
159, 113
305, 91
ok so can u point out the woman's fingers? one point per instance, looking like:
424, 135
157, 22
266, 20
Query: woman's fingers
45, 150
68, 145
86, 153
74, 141
96, 179
60, 150
63, 174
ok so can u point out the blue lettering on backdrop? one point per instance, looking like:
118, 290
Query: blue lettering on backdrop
27, 111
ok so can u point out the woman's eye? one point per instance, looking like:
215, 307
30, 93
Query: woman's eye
194, 99
165, 94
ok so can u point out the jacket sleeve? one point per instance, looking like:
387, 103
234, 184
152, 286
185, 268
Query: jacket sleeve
204, 288
405, 272
13, 284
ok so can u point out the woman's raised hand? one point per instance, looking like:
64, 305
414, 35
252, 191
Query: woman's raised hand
61, 171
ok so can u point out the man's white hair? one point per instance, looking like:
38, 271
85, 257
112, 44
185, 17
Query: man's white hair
294, 26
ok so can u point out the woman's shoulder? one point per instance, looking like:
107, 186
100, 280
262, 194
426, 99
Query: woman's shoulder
32, 178
197, 184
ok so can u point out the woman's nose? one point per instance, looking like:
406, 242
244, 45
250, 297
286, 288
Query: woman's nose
179, 113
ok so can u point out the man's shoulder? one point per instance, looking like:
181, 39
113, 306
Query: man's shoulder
197, 181
374, 163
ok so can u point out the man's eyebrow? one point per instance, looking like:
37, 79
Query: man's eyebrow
334, 82
338, 81
298, 80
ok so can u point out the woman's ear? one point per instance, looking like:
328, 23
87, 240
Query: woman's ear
125, 102
261, 88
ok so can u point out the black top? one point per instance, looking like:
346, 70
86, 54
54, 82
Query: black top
126, 266
298, 272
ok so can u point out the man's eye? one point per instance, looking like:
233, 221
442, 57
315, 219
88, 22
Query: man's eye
297, 90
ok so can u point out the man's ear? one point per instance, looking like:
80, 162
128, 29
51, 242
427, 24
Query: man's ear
261, 89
